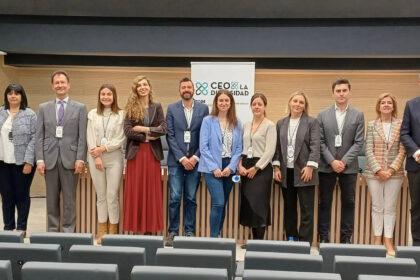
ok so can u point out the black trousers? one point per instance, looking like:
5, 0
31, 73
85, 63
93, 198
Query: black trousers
14, 189
414, 186
347, 183
306, 197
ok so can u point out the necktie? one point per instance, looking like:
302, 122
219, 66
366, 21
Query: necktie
60, 112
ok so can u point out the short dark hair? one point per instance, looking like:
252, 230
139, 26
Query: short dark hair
185, 80
60, 72
17, 88
340, 81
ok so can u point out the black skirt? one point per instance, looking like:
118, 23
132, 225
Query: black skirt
255, 196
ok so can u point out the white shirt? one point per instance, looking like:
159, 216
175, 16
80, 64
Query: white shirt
188, 113
8, 149
340, 116
291, 140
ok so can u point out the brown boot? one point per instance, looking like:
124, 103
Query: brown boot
113, 228
389, 246
102, 230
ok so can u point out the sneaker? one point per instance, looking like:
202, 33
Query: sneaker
170, 239
189, 234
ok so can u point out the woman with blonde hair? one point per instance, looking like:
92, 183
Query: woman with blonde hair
144, 124
384, 171
105, 138
296, 162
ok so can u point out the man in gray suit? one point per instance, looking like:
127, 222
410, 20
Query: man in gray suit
342, 130
61, 151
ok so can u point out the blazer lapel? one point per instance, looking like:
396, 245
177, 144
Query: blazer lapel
395, 131
380, 130
52, 112
151, 110
333, 118
283, 138
218, 129
300, 134
194, 114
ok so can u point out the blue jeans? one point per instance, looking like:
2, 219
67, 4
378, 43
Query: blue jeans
182, 182
219, 189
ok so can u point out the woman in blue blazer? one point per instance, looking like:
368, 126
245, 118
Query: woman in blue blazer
220, 148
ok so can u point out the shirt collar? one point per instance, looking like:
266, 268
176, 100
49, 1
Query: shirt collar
66, 100
338, 109
192, 106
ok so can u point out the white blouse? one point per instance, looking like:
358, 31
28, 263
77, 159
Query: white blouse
109, 126
7, 149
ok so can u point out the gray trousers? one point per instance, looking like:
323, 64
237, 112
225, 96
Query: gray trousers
61, 180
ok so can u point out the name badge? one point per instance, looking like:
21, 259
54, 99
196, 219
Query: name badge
290, 151
187, 136
338, 140
104, 141
250, 153
59, 132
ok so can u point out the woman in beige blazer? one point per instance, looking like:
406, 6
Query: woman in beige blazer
385, 155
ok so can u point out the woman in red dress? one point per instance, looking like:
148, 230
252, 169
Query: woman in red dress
144, 124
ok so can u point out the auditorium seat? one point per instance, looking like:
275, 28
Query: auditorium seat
349, 267
207, 243
195, 258
6, 270
65, 240
329, 250
124, 257
385, 277
11, 236
69, 271
412, 252
149, 242
251, 274
282, 261
177, 273
20, 253
278, 246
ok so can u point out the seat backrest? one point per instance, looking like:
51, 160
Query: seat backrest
149, 242
69, 271
282, 261
124, 257
11, 236
278, 246
350, 267
286, 275
66, 240
207, 243
20, 253
195, 258
329, 250
6, 270
412, 252
385, 277
177, 273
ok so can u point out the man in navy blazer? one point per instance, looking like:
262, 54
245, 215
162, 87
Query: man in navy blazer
184, 120
410, 137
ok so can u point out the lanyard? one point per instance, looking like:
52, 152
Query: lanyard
250, 131
290, 136
105, 127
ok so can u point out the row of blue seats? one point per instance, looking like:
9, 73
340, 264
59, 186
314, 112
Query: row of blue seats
81, 271
283, 255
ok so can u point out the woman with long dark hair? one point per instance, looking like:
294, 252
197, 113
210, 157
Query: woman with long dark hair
220, 148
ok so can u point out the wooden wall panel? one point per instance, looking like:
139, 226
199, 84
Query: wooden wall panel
363, 233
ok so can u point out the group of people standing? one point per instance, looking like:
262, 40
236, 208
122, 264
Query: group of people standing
299, 152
